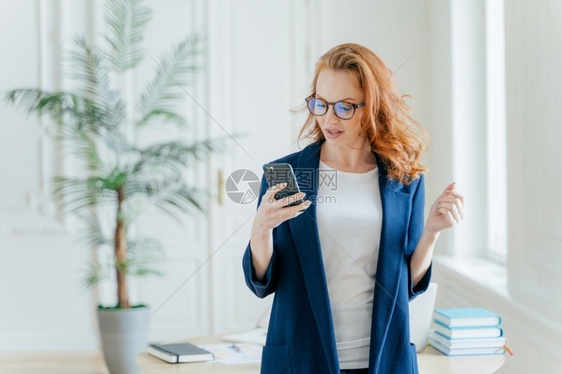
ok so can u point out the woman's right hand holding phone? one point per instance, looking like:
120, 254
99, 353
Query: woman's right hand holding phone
271, 212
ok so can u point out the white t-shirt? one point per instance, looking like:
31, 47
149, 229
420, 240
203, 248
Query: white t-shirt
349, 212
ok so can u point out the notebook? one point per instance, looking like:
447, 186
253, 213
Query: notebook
421, 313
179, 352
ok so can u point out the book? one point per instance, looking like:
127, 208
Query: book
466, 351
179, 352
466, 343
468, 332
455, 317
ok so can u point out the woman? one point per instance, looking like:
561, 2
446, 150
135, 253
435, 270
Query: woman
344, 264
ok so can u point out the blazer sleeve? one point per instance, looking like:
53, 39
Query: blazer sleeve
267, 285
414, 233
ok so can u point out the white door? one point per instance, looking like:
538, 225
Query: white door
257, 69
180, 299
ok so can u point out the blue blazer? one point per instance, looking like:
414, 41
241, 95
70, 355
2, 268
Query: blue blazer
300, 336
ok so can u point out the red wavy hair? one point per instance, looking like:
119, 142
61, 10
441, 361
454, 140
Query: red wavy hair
393, 134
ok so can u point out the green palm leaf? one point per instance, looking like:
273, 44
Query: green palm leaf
58, 105
166, 89
92, 234
175, 155
75, 117
170, 195
79, 194
95, 275
90, 69
143, 254
126, 21
84, 147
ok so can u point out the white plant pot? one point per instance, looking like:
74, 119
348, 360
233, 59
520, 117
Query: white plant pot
124, 334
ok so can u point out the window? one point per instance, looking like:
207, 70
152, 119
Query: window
496, 131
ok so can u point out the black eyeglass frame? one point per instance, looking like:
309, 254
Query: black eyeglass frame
354, 106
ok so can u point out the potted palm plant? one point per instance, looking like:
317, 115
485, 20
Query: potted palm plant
122, 177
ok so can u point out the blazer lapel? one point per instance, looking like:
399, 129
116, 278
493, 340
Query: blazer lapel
396, 206
305, 231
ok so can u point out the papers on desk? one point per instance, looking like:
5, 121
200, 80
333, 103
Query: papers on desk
232, 354
255, 336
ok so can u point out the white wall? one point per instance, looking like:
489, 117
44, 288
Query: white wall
40, 268
395, 30
534, 91
524, 292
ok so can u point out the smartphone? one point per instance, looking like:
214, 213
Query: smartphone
276, 173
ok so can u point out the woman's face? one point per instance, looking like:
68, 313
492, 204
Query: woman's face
338, 85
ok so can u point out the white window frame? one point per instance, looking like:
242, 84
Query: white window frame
496, 132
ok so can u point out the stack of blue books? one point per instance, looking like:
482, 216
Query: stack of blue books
467, 331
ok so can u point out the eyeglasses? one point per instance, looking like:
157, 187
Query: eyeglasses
342, 109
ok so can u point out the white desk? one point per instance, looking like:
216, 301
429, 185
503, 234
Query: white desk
92, 363
430, 361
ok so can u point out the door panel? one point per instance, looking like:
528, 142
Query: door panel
256, 66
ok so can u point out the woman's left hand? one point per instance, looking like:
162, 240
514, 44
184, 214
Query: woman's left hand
446, 211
